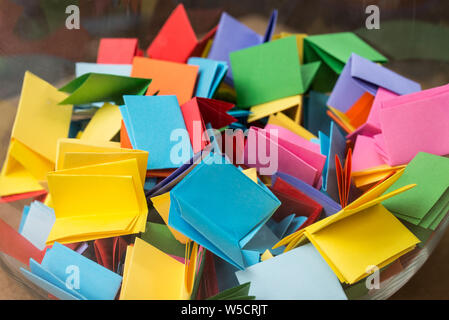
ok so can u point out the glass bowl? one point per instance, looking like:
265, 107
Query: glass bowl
33, 36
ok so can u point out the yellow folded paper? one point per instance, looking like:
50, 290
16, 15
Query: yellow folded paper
370, 176
97, 201
362, 235
39, 123
104, 125
74, 153
284, 121
162, 205
299, 41
290, 106
150, 274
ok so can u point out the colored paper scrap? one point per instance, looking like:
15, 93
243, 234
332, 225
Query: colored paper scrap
266, 72
427, 204
97, 87
156, 124
314, 279
364, 234
168, 78
223, 230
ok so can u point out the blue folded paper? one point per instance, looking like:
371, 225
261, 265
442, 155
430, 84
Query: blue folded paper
67, 274
337, 146
210, 74
155, 124
220, 208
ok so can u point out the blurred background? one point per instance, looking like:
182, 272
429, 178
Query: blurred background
413, 34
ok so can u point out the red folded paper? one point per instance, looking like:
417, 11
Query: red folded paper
118, 50
15, 245
344, 178
176, 40
294, 201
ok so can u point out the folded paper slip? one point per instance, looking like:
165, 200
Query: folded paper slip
81, 68
241, 208
267, 72
97, 201
335, 147
363, 235
334, 50
31, 156
168, 78
288, 155
361, 76
232, 36
282, 120
74, 153
427, 204
104, 125
151, 274
210, 75
330, 207
117, 50
290, 104
423, 126
296, 202
97, 87
176, 40
313, 280
66, 274
156, 124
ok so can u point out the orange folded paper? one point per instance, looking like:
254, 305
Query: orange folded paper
168, 78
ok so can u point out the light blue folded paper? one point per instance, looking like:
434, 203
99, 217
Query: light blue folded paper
299, 274
280, 228
294, 226
25, 211
48, 287
38, 223
241, 208
210, 74
75, 274
82, 68
337, 146
155, 124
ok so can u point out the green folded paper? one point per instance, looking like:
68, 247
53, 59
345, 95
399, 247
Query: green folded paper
267, 72
428, 203
334, 50
96, 87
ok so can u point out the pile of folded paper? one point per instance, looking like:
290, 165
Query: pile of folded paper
286, 166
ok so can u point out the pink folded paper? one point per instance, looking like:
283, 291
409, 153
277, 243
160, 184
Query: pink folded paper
286, 134
365, 155
414, 123
292, 159
372, 125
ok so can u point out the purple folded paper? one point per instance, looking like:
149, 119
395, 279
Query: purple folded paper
232, 35
360, 75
